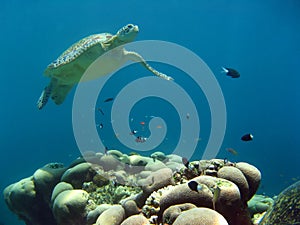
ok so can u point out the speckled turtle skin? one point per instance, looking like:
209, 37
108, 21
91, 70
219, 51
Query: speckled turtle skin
286, 208
68, 69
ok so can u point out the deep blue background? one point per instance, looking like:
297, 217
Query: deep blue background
258, 38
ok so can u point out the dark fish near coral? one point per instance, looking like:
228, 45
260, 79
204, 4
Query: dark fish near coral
195, 186
216, 195
108, 99
247, 137
106, 150
231, 72
133, 132
225, 161
232, 151
185, 162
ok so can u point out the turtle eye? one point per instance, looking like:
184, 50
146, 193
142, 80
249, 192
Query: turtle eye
130, 26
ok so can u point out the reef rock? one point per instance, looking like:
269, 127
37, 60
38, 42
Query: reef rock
135, 220
69, 207
171, 213
198, 216
116, 188
79, 174
29, 205
112, 216
252, 175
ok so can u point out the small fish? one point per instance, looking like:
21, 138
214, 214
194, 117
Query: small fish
140, 139
106, 150
108, 99
195, 186
247, 137
187, 115
142, 123
231, 72
216, 195
232, 151
100, 110
185, 162
133, 132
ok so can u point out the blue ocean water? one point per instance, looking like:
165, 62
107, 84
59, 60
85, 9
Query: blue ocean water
258, 38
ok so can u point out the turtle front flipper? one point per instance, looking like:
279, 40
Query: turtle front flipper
138, 58
43, 99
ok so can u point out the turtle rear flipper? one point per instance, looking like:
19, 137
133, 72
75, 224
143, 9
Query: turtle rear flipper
60, 92
43, 99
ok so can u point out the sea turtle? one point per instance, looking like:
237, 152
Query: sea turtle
68, 69
286, 208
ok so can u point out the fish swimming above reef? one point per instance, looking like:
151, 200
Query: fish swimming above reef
216, 195
231, 72
141, 139
247, 137
101, 111
195, 186
108, 99
133, 132
232, 151
185, 162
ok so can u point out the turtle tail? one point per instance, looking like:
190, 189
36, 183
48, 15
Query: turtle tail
43, 99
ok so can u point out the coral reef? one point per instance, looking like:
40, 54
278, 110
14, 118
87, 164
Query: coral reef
116, 188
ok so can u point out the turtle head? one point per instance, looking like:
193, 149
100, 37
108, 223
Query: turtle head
128, 33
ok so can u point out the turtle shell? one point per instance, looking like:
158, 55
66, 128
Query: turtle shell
70, 65
286, 208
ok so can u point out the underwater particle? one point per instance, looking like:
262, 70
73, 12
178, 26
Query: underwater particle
100, 125
216, 195
108, 99
142, 123
185, 162
231, 72
195, 186
247, 137
232, 151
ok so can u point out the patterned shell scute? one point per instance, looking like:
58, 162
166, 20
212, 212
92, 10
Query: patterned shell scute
79, 48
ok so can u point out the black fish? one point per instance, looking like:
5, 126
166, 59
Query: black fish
185, 162
231, 72
194, 186
108, 99
106, 150
247, 137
